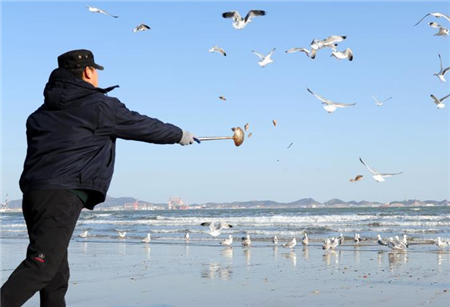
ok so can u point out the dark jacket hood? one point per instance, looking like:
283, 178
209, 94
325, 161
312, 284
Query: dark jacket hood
63, 88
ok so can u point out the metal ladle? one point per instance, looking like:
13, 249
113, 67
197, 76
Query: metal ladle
238, 137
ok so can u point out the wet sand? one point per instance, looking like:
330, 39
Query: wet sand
129, 273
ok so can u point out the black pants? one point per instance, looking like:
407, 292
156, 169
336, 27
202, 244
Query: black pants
51, 216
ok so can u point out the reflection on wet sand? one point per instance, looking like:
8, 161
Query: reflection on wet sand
306, 253
247, 254
292, 256
227, 252
122, 249
397, 260
216, 270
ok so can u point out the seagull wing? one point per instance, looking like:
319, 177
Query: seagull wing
342, 105
224, 225
106, 13
270, 54
422, 19
389, 174
377, 101
440, 60
372, 170
258, 54
435, 25
387, 99
254, 13
292, 50
436, 101
233, 14
333, 39
445, 70
211, 225
445, 97
443, 15
349, 54
319, 97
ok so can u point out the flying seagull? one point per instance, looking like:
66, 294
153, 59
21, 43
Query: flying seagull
290, 145
222, 98
346, 54
250, 135
275, 123
264, 59
218, 50
380, 103
239, 22
141, 27
379, 177
330, 105
216, 230
439, 102
442, 72
437, 15
96, 10
304, 50
443, 31
246, 126
329, 42
122, 234
357, 178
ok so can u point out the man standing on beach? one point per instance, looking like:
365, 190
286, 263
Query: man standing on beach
69, 165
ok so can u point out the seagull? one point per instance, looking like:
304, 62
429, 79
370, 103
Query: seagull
334, 243
341, 239
329, 42
346, 54
83, 234
228, 241
357, 238
332, 40
437, 15
290, 145
274, 122
439, 102
326, 244
250, 135
186, 236
264, 59
96, 10
443, 31
330, 105
218, 50
379, 177
394, 246
306, 51
222, 98
442, 72
305, 240
246, 241
290, 244
380, 103
246, 126
146, 239
440, 244
122, 234
357, 178
400, 243
275, 240
216, 230
141, 27
381, 241
240, 23
405, 241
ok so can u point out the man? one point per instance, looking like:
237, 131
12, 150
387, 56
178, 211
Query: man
69, 165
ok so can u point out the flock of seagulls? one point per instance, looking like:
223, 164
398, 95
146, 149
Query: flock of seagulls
443, 31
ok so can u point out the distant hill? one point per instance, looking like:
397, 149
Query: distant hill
304, 202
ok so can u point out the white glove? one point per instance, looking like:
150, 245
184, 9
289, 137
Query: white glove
188, 138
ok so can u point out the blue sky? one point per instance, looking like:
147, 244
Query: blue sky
168, 73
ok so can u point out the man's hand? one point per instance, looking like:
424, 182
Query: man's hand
188, 138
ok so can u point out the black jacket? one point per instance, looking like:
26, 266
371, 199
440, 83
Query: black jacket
72, 137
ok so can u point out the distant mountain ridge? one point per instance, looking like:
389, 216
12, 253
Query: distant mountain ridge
304, 202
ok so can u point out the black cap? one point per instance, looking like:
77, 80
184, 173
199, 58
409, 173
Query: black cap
78, 59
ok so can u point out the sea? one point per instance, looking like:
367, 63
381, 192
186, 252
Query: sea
420, 224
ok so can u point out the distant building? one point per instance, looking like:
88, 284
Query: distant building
176, 203
137, 206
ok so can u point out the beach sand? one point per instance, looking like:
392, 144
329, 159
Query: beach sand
130, 273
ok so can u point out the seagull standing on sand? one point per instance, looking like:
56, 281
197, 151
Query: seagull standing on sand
216, 230
83, 234
400, 242
341, 239
381, 241
146, 239
305, 240
379, 177
218, 50
437, 15
441, 244
141, 27
346, 54
357, 238
330, 105
442, 72
246, 241
96, 10
439, 102
240, 23
227, 241
380, 103
290, 244
443, 31
275, 240
394, 245
264, 59
186, 237
326, 244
